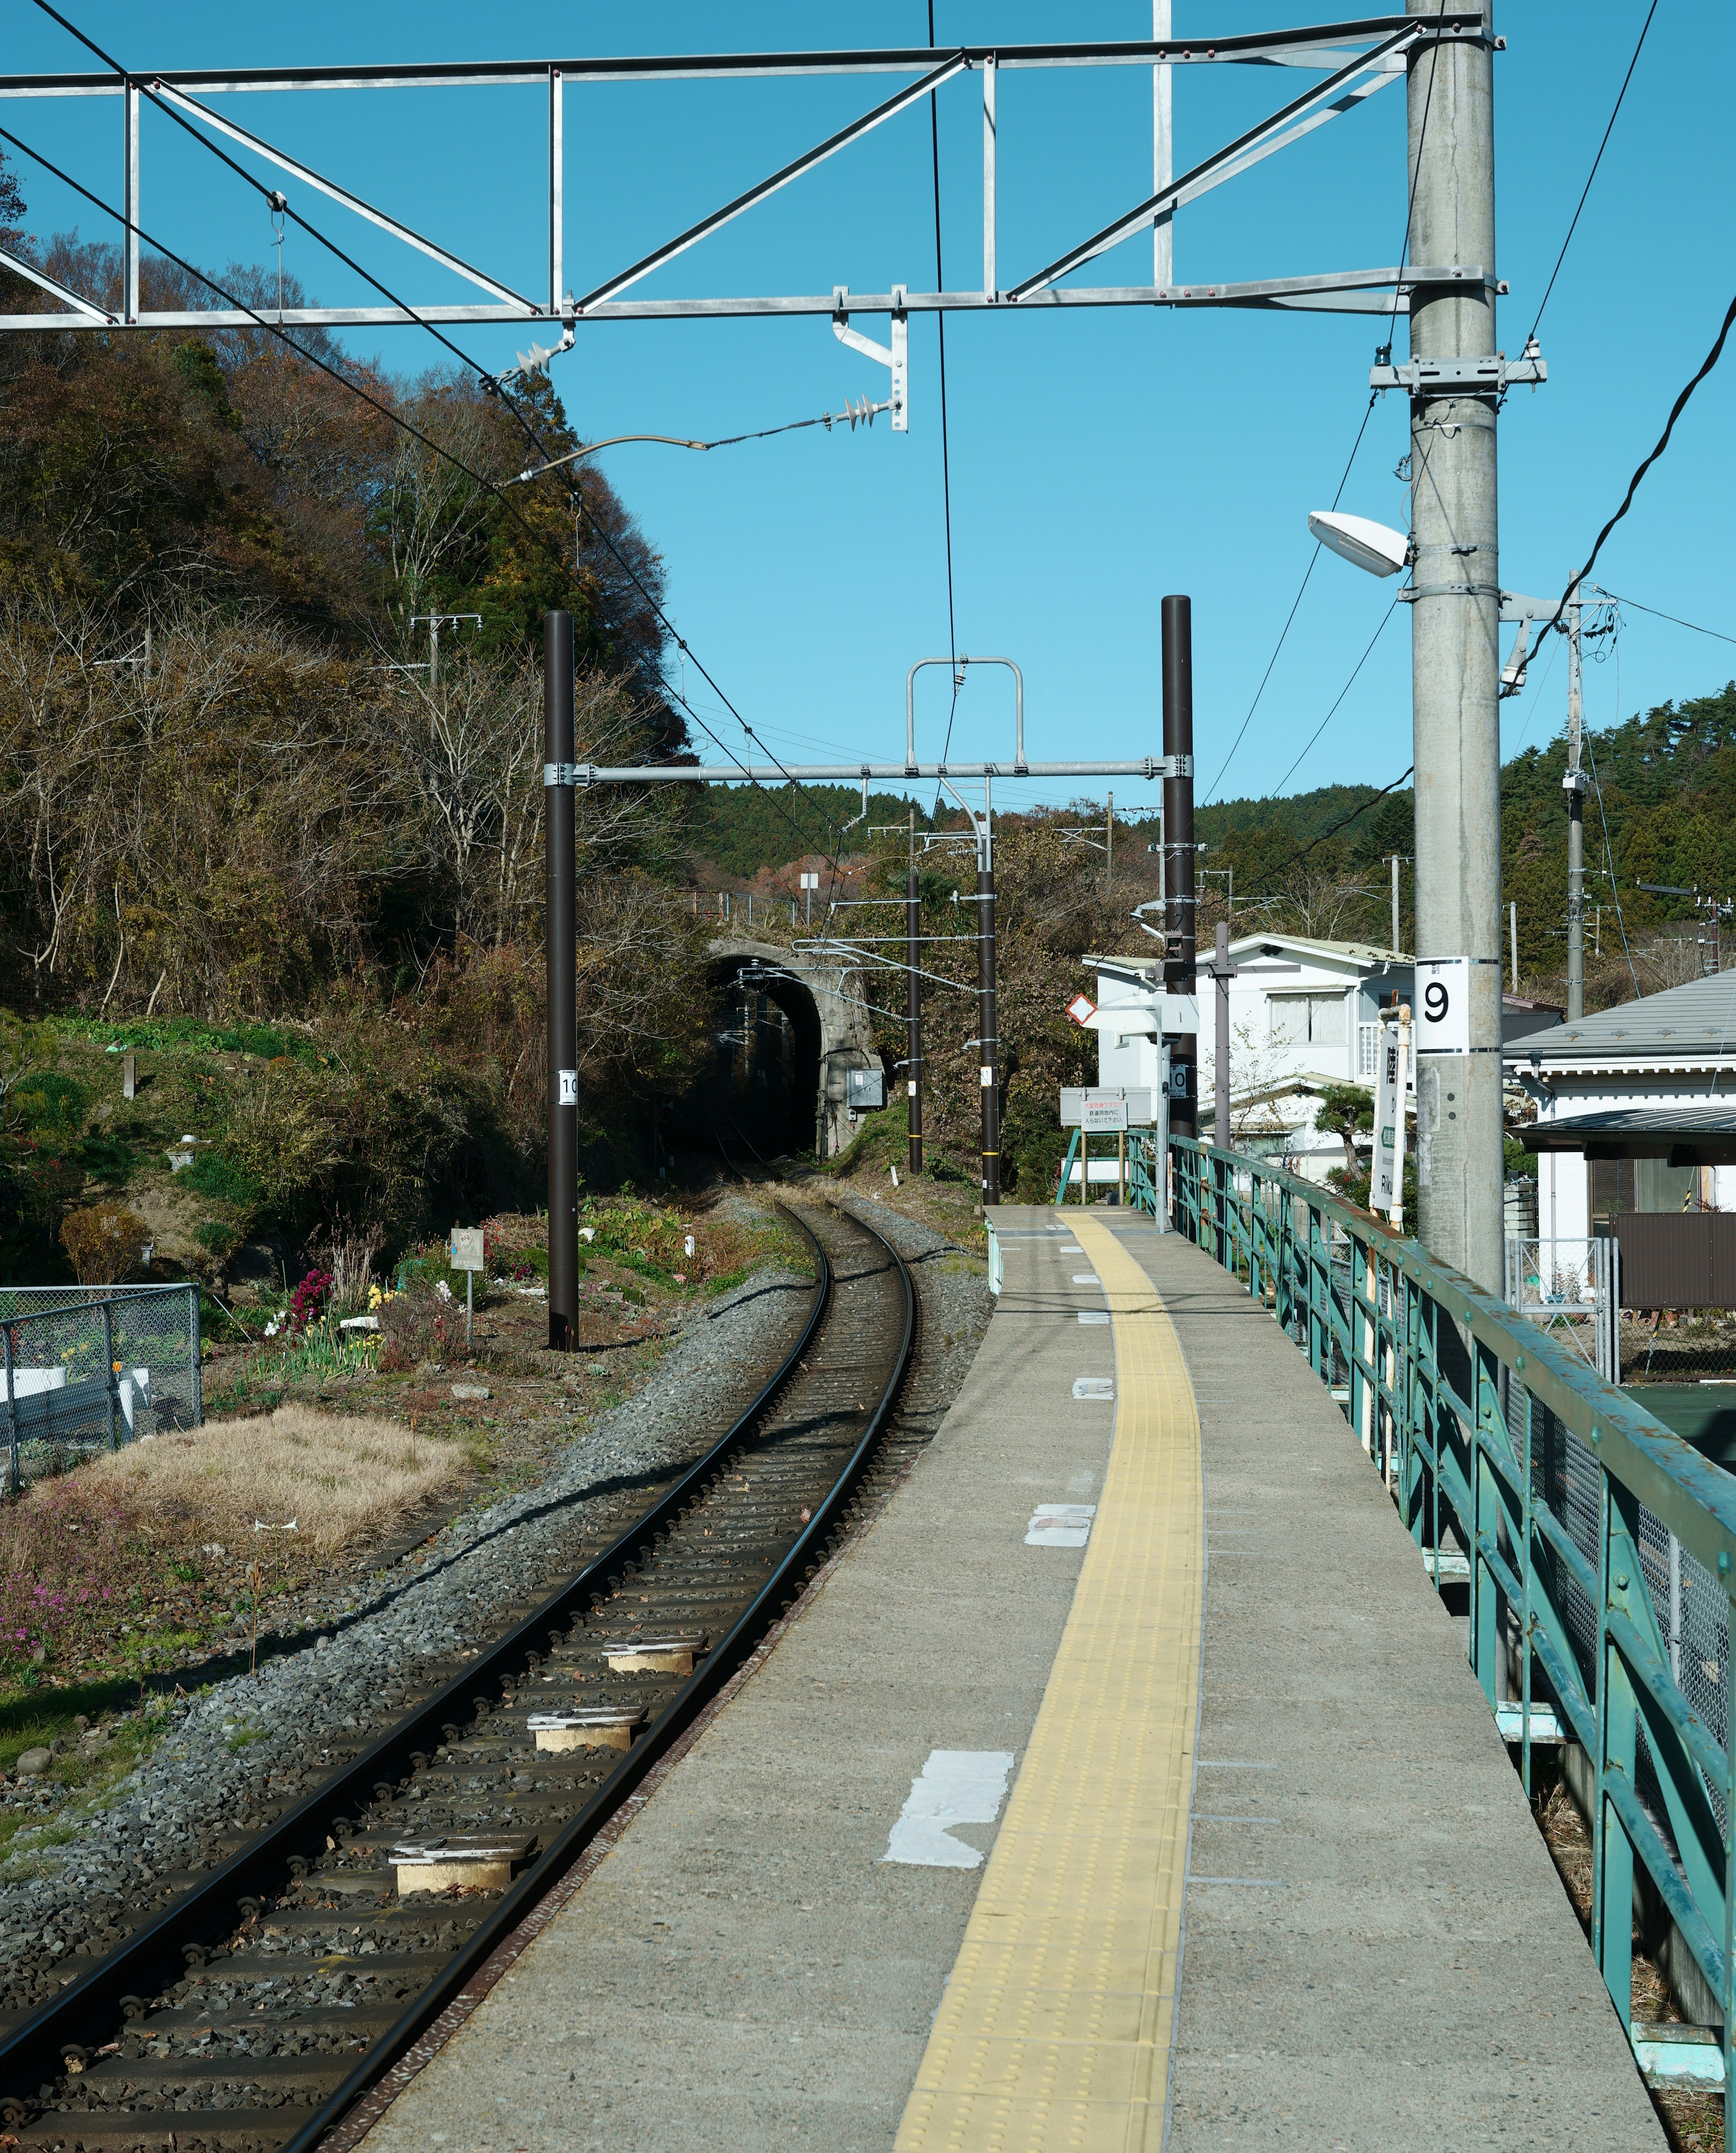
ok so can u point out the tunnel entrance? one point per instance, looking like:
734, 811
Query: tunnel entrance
758, 1096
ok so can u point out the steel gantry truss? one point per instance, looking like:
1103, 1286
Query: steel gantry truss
1355, 60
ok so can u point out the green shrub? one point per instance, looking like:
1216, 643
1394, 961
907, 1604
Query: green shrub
49, 1101
213, 1173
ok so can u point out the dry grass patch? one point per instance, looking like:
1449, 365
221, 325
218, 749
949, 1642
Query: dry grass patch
340, 1479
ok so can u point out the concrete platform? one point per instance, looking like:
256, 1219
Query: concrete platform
1376, 1952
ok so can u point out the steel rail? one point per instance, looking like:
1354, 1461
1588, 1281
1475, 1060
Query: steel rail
31, 2053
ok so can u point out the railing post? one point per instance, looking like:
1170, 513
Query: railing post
109, 1373
1611, 1850
1364, 1367
1527, 1578
11, 1417
1487, 1640
196, 1397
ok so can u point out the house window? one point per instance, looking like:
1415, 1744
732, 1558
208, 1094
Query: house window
1307, 1019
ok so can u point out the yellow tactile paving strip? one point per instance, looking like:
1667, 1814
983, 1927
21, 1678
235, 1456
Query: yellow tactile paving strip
1054, 2032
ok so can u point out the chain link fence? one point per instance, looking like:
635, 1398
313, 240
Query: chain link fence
89, 1369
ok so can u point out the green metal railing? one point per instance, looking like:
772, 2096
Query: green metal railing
1598, 1549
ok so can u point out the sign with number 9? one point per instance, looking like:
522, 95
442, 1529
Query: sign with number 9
1443, 1005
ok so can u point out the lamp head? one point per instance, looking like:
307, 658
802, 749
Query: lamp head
1382, 550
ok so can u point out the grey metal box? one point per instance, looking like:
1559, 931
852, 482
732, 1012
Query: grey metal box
866, 1088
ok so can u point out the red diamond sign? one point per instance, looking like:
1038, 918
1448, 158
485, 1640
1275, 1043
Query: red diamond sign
1082, 1009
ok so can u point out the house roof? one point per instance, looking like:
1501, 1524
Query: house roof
1697, 1019
1150, 954
1342, 953
1703, 1134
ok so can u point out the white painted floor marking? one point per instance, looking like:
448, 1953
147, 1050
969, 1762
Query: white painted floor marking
1060, 1525
956, 1786
1093, 1316
1087, 1278
1081, 1483
1094, 1387
1072, 1248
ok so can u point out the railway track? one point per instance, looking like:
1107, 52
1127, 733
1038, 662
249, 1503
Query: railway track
253, 2012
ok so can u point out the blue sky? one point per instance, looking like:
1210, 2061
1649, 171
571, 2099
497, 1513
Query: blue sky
1099, 458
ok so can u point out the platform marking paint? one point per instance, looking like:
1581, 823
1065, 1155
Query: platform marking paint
955, 1786
1060, 1525
1055, 2030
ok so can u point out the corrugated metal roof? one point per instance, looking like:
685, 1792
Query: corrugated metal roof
1703, 1134
1698, 1019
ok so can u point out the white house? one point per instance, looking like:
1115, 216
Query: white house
1303, 1014
1636, 1108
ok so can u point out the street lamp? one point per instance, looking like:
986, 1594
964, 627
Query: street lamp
1383, 551
1375, 547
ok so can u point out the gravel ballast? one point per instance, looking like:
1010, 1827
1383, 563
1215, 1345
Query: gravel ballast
263, 1738
251, 1744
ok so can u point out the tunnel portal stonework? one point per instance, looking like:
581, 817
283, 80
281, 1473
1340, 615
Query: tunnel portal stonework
835, 993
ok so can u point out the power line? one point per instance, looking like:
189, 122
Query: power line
1610, 860
1674, 619
477, 478
1592, 174
1410, 210
1307, 573
1348, 819
487, 381
1677, 409
1342, 693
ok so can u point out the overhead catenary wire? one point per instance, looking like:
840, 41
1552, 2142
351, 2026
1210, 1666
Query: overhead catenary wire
478, 478
278, 203
1344, 821
1573, 226
1410, 210
1677, 409
1337, 700
1675, 620
1609, 860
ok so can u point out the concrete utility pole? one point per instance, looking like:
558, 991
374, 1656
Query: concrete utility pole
1178, 856
1223, 971
913, 977
1455, 659
560, 930
1574, 785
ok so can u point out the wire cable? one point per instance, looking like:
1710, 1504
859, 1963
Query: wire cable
1677, 409
279, 201
1609, 860
1592, 174
1674, 619
1342, 693
1345, 823
1313, 558
1410, 210
396, 418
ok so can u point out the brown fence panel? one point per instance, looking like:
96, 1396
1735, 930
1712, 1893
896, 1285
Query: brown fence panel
1677, 1259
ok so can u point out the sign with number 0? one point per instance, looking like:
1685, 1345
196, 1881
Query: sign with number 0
1443, 1005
